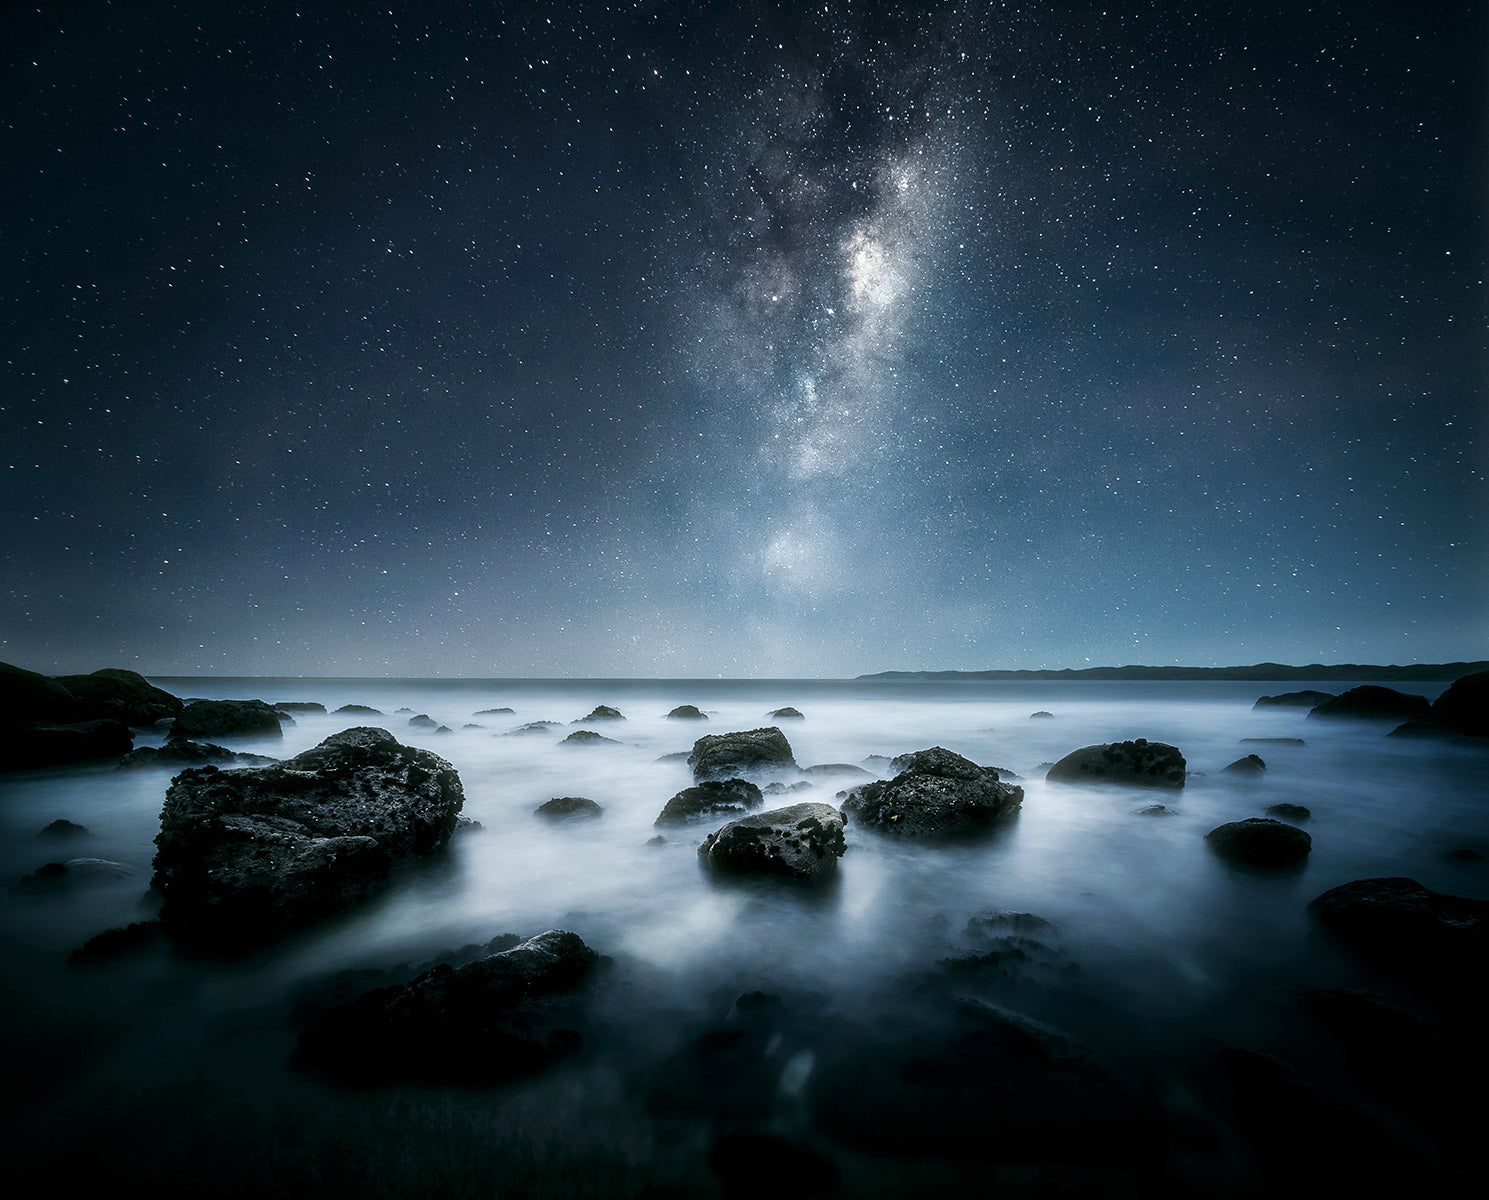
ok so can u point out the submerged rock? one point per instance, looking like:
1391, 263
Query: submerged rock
568, 808
359, 709
687, 712
501, 1017
786, 714
226, 718
1252, 764
182, 752
63, 828
935, 793
710, 798
1371, 700
1138, 763
803, 842
1289, 812
587, 737
1260, 842
75, 872
726, 755
245, 856
602, 712
1294, 700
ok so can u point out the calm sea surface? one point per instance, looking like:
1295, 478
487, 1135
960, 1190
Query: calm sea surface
1178, 947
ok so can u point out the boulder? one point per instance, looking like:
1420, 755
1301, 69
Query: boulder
1252, 764
587, 737
1294, 700
726, 755
803, 841
1139, 763
1042, 716
786, 714
184, 753
601, 712
532, 727
63, 828
113, 944
24, 746
568, 808
27, 697
687, 712
1289, 812
309, 706
1155, 810
1464, 707
1372, 700
226, 718
501, 1017
246, 856
423, 721
1260, 842
119, 695
358, 710
710, 798
935, 793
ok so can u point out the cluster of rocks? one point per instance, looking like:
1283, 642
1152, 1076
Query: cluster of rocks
1462, 710
47, 721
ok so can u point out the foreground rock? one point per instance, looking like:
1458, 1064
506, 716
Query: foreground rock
1372, 700
1260, 842
246, 856
226, 718
500, 1017
803, 842
726, 755
935, 793
710, 798
1138, 763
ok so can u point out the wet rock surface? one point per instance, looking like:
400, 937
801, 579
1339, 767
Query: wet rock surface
710, 798
936, 793
729, 755
182, 752
569, 808
1260, 842
802, 841
687, 712
226, 718
1138, 763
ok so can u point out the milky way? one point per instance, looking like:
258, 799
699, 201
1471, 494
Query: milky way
736, 339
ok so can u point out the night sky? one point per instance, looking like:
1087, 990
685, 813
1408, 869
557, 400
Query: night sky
741, 339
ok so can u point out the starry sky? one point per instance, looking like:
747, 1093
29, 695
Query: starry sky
741, 339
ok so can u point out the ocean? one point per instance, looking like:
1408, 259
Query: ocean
175, 1072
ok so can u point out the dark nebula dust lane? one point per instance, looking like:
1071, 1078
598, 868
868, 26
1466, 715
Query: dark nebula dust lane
526, 340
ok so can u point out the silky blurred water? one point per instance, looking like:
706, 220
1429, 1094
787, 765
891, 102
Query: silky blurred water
1170, 938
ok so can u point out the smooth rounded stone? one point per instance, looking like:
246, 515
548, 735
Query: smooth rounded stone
786, 714
294, 706
1371, 700
588, 737
968, 1080
358, 710
75, 872
226, 718
115, 694
687, 712
936, 793
1464, 707
1042, 716
423, 721
1427, 939
532, 727
63, 828
23, 746
803, 841
1294, 700
1138, 763
568, 808
602, 712
246, 856
28, 696
710, 798
501, 1017
1252, 764
1289, 812
728, 755
1260, 842
1155, 810
183, 752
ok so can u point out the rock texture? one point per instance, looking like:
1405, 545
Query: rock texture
118, 695
568, 808
601, 712
226, 718
1260, 842
183, 752
936, 793
710, 798
501, 1017
725, 755
803, 842
246, 856
1138, 763
687, 712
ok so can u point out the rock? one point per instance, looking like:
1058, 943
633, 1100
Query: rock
783, 789
226, 718
995, 922
501, 1017
726, 755
837, 769
1464, 707
532, 727
803, 842
181, 752
587, 737
710, 798
1294, 700
1277, 741
1139, 763
117, 695
246, 856
935, 793
27, 697
1250, 765
687, 712
423, 721
566, 808
785, 714
1429, 940
602, 712
656, 840
112, 944
1289, 812
63, 828
1041, 716
491, 712
1260, 842
24, 746
1155, 810
293, 706
75, 872
1371, 700
359, 710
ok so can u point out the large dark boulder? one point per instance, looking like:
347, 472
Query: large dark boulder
1294, 700
226, 718
803, 841
501, 1017
27, 697
1429, 940
1372, 700
24, 746
710, 798
1260, 842
1138, 763
119, 695
935, 793
1464, 707
246, 856
726, 755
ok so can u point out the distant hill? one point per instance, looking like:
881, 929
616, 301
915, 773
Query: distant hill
1342, 672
